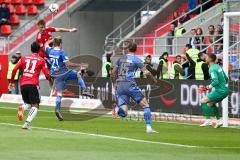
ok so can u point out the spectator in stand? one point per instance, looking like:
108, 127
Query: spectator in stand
211, 33
201, 69
180, 30
11, 66
149, 66
175, 17
19, 55
200, 39
185, 17
4, 14
192, 56
207, 5
162, 70
218, 48
177, 70
185, 66
192, 4
193, 40
107, 67
170, 38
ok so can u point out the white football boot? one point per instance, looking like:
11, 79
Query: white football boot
150, 130
219, 123
208, 122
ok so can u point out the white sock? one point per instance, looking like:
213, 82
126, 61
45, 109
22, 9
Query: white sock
26, 106
148, 126
32, 114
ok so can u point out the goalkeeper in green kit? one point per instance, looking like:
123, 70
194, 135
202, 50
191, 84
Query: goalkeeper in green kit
219, 91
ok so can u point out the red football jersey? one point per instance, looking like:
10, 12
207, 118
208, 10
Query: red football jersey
31, 66
43, 38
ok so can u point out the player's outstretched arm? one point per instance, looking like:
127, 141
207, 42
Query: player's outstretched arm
71, 64
66, 30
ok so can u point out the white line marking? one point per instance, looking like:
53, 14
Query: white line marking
122, 138
106, 136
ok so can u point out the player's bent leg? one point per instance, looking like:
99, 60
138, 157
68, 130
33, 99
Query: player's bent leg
21, 110
147, 115
31, 115
206, 112
215, 110
77, 75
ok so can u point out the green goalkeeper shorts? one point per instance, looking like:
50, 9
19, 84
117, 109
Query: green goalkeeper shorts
218, 96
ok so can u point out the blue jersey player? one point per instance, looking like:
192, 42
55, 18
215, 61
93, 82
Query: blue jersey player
126, 88
59, 68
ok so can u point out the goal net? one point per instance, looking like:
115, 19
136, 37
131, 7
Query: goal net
231, 65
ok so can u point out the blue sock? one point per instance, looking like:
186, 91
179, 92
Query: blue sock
58, 102
81, 83
147, 115
121, 112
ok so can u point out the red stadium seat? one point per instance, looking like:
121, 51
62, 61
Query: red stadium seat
11, 8
20, 9
6, 29
32, 10
6, 1
39, 2
27, 2
16, 2
14, 19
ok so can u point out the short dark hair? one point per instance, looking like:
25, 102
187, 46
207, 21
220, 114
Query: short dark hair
212, 56
14, 56
148, 56
200, 54
57, 42
188, 45
35, 47
178, 56
211, 26
132, 47
41, 22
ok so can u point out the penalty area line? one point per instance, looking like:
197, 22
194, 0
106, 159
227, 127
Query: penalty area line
106, 136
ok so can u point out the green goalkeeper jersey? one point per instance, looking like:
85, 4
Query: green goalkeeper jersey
219, 79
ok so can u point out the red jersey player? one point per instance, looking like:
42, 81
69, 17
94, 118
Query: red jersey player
45, 34
31, 66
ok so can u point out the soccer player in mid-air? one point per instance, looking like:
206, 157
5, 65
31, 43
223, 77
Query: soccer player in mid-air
219, 91
30, 66
45, 34
126, 88
59, 69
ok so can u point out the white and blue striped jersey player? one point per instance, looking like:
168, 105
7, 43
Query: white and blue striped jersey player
58, 59
126, 87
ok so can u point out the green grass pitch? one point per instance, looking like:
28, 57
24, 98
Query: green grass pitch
105, 138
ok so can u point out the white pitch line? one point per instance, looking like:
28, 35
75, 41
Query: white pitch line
122, 138
107, 136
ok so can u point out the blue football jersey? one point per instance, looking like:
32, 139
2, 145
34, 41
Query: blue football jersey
57, 58
127, 66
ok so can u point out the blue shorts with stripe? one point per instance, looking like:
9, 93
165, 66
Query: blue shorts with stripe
126, 90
